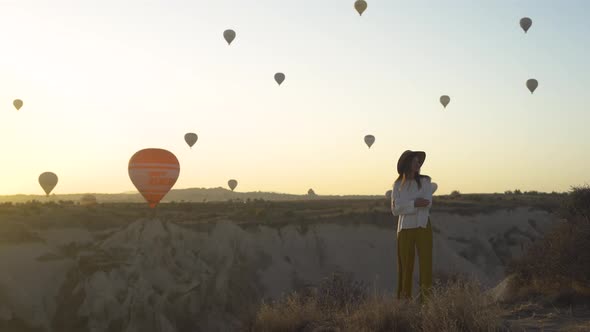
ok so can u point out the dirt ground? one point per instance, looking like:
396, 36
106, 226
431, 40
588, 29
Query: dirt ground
534, 317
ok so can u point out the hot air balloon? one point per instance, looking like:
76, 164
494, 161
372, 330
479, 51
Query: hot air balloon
153, 172
229, 36
444, 100
360, 6
17, 104
191, 139
48, 181
532, 85
525, 24
232, 184
369, 140
279, 78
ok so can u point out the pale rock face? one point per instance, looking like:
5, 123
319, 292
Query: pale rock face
161, 276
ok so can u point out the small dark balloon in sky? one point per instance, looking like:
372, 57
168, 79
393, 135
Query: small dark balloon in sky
369, 140
279, 78
17, 104
360, 6
525, 24
191, 139
232, 184
532, 85
445, 100
229, 36
48, 181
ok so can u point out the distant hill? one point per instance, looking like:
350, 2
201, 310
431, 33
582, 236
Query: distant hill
187, 195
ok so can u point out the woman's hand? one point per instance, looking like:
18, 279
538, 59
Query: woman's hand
421, 202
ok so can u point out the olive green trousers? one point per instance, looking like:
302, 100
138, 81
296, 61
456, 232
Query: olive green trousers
408, 242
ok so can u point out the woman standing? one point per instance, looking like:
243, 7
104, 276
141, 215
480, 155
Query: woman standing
411, 200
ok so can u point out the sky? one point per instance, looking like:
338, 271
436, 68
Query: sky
101, 80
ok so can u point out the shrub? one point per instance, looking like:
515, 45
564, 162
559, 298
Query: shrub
455, 194
558, 267
578, 203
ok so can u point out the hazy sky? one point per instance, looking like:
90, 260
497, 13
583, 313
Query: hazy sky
101, 80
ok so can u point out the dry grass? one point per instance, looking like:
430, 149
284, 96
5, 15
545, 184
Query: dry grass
383, 313
460, 306
292, 314
455, 306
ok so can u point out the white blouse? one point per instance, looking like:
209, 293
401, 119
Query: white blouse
402, 203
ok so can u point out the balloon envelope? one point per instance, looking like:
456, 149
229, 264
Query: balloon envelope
369, 140
232, 184
525, 24
279, 78
17, 104
48, 181
191, 139
229, 36
360, 6
444, 100
532, 85
153, 172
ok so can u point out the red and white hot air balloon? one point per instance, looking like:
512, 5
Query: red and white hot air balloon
153, 172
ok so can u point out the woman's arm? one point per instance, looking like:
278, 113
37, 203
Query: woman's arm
401, 205
429, 191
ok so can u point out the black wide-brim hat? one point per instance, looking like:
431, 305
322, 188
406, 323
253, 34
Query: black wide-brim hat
410, 154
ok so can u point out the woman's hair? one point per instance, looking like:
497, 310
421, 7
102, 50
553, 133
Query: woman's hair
406, 170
